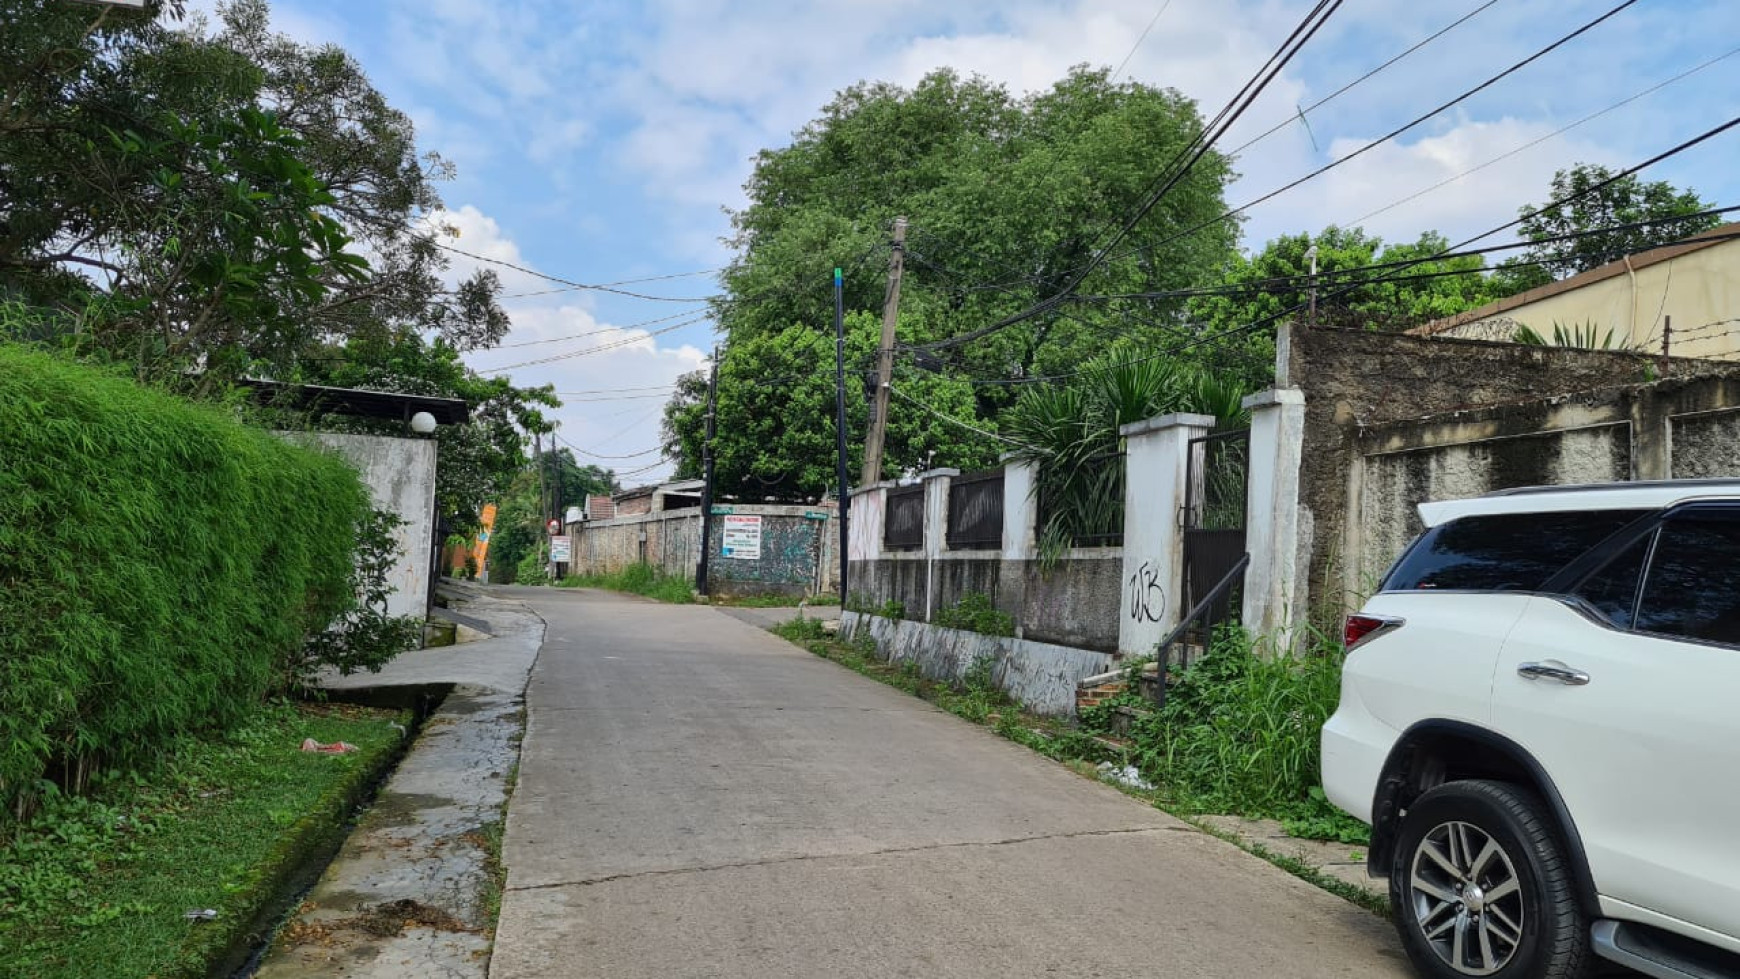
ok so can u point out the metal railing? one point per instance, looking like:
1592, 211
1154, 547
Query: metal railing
1214, 608
976, 511
903, 519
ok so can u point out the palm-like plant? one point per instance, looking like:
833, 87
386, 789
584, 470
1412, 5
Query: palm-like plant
1584, 336
1071, 433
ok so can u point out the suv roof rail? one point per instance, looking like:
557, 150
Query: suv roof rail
1710, 483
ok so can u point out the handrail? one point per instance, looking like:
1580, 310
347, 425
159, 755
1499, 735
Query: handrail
1199, 612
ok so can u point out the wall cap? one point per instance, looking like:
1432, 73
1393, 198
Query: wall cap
1180, 419
938, 473
1272, 397
885, 484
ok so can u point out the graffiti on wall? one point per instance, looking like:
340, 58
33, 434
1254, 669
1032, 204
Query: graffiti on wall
1147, 596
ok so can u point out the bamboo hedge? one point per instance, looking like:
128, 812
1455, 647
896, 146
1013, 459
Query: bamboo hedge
161, 564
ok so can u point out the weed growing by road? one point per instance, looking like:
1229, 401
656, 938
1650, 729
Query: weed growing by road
975, 613
638, 579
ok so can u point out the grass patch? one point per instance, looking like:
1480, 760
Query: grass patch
776, 601
219, 823
638, 579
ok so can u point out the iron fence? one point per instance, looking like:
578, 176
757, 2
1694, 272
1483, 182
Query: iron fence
903, 519
976, 510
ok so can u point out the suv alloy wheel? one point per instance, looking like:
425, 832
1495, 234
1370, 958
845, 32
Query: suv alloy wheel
1480, 887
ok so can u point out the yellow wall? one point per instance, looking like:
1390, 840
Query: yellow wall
1699, 291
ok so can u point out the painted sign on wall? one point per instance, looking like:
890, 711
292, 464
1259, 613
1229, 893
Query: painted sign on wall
742, 537
562, 549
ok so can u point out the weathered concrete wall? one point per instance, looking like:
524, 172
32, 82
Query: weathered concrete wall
795, 549
1394, 484
400, 475
1706, 444
1041, 675
1356, 382
1074, 602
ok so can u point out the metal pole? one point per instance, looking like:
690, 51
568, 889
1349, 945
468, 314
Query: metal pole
840, 414
707, 476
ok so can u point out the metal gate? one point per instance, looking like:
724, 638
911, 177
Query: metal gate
1214, 521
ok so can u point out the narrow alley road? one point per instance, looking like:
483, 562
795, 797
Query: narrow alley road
699, 798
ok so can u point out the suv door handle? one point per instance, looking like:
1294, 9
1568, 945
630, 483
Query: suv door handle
1552, 669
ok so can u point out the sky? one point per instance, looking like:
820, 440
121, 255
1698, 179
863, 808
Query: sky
598, 142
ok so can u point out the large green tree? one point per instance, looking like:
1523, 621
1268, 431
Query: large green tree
212, 195
1628, 200
1008, 196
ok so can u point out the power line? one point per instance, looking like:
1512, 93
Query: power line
1343, 90
1143, 37
627, 341
1175, 170
571, 284
593, 333
600, 455
1270, 320
1536, 142
619, 282
956, 421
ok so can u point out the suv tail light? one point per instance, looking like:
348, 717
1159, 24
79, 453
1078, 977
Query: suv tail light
1363, 628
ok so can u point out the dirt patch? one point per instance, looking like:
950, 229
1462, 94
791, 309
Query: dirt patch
390, 918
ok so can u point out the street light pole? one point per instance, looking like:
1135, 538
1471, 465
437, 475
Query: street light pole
840, 415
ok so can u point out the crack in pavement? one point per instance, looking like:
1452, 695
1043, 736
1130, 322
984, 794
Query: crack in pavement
891, 851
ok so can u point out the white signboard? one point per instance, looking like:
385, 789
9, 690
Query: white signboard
562, 549
742, 537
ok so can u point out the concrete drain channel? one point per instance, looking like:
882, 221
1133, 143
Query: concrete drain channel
403, 888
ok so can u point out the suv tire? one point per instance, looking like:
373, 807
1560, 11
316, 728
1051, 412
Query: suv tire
1479, 861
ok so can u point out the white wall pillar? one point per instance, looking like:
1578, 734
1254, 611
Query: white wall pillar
1020, 509
936, 522
864, 522
1156, 458
1276, 526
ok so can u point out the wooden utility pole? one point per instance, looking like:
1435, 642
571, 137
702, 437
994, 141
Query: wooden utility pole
885, 360
707, 475
1667, 340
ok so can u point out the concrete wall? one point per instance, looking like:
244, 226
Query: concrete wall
1041, 675
1697, 290
1357, 383
796, 549
400, 475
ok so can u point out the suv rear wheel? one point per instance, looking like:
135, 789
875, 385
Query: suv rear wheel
1480, 886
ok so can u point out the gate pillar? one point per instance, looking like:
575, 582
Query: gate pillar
1157, 461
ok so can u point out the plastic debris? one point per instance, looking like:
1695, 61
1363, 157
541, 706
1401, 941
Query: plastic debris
201, 914
335, 748
1127, 775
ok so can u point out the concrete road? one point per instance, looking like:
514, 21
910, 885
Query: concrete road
700, 798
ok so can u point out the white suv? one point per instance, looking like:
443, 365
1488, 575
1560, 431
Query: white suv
1540, 718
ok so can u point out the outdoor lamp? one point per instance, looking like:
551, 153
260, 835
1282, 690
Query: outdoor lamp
422, 423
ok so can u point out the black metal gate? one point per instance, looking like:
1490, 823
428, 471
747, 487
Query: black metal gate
1214, 520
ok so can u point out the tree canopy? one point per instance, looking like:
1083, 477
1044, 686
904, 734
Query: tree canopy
1008, 198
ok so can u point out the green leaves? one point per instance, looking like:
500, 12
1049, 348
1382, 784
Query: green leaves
1625, 201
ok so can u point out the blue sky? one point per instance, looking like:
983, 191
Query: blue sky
600, 141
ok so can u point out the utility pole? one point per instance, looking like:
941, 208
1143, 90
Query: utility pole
707, 476
558, 511
840, 414
543, 537
885, 360
1667, 337
1311, 314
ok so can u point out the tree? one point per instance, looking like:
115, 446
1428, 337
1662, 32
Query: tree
775, 434
1625, 201
215, 194
1278, 280
1008, 198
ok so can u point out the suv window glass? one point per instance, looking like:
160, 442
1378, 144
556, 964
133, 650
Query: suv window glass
1693, 586
1503, 552
1612, 591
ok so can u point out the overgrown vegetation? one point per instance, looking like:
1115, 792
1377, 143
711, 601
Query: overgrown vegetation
161, 568
1240, 734
101, 883
975, 613
638, 579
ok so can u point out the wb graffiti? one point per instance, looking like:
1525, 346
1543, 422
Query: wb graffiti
1147, 597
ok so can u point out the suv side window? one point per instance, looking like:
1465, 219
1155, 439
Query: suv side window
1693, 585
1503, 552
1612, 591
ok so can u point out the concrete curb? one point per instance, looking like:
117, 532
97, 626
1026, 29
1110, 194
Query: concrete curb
405, 896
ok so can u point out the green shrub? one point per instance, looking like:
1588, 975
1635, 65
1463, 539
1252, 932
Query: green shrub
639, 579
1240, 733
975, 613
161, 565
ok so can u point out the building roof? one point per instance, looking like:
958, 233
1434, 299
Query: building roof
1719, 235
391, 405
